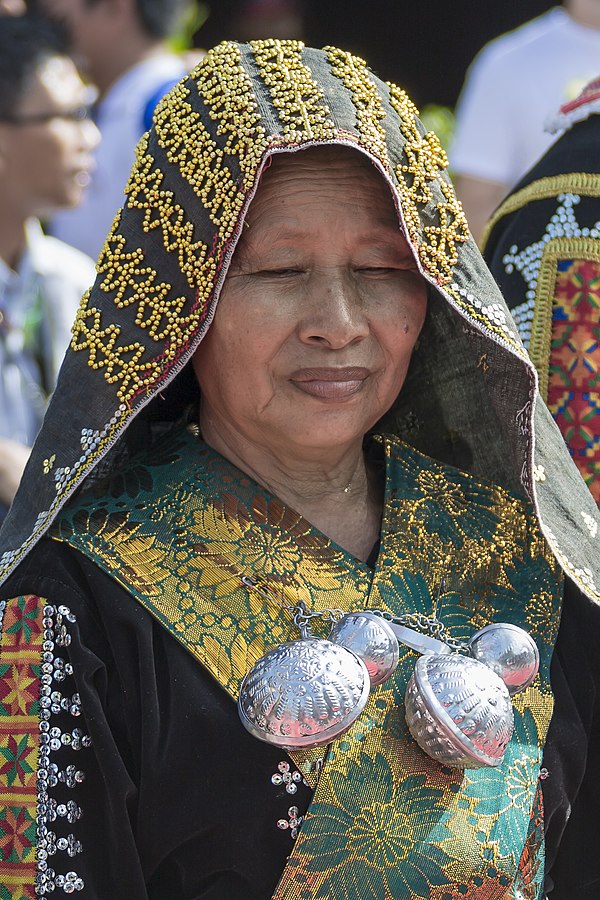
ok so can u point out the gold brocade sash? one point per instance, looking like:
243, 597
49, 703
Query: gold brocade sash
386, 821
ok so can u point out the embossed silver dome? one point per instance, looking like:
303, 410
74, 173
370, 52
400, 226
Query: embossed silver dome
372, 639
509, 651
303, 693
459, 711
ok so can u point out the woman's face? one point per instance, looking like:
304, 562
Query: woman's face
320, 310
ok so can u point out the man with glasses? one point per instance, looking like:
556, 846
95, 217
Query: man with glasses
120, 46
46, 144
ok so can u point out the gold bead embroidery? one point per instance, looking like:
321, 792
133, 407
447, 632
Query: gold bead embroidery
425, 164
227, 91
354, 75
144, 191
120, 363
298, 99
188, 145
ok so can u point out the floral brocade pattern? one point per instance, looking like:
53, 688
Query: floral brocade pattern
384, 817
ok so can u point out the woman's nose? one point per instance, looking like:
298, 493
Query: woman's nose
334, 314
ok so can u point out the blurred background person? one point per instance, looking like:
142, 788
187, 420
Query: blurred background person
46, 144
513, 85
12, 7
121, 47
543, 247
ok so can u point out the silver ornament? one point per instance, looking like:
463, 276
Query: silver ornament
509, 651
303, 693
372, 639
459, 711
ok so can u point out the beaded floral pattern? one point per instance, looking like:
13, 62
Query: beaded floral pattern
425, 164
354, 74
38, 773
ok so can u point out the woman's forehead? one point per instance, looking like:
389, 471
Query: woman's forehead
320, 182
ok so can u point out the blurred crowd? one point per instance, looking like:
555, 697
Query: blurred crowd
79, 80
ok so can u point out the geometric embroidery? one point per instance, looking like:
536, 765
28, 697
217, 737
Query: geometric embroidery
574, 365
20, 672
36, 745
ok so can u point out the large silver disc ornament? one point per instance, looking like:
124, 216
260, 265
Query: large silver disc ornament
303, 693
372, 639
509, 651
459, 711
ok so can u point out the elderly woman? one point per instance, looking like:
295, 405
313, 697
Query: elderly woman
289, 314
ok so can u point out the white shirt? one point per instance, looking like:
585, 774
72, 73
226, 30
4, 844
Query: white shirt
515, 84
38, 303
120, 118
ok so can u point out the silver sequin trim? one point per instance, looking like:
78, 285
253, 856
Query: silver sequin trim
56, 671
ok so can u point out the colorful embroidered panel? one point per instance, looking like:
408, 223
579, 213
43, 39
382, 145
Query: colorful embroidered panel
35, 725
386, 820
20, 672
574, 370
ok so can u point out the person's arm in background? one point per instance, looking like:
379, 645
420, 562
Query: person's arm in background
484, 142
13, 457
479, 198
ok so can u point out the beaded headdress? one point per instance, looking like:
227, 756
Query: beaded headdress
470, 396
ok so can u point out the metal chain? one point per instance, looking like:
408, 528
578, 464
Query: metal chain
427, 625
301, 617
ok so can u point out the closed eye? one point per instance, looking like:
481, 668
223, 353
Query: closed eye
384, 271
279, 273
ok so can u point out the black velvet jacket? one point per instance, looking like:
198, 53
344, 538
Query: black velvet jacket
166, 814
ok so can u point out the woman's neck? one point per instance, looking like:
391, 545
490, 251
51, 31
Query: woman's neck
334, 490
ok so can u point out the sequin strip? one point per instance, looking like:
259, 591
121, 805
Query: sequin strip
425, 162
298, 99
33, 715
354, 75
491, 316
289, 778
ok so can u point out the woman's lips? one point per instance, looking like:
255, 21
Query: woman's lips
330, 384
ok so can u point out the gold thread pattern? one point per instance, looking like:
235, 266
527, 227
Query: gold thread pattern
188, 557
582, 183
426, 161
354, 75
298, 99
